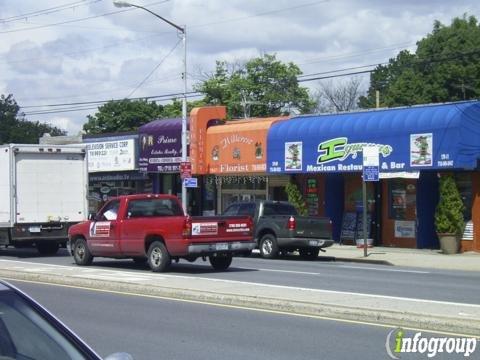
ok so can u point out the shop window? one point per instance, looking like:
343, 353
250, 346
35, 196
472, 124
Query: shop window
401, 199
464, 184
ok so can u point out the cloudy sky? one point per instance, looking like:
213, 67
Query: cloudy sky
74, 52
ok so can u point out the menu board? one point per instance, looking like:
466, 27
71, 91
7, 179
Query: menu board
359, 230
349, 224
352, 226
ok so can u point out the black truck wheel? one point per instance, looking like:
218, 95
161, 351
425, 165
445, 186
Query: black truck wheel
81, 254
268, 246
309, 254
158, 257
47, 248
221, 262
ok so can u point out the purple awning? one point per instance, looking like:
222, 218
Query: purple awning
160, 146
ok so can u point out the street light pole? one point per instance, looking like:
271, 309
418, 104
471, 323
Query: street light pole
183, 32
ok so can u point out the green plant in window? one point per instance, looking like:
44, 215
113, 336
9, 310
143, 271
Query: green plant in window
295, 197
450, 208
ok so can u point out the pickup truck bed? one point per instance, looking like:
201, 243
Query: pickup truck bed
279, 228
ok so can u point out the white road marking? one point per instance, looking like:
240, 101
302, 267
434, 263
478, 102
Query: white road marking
114, 275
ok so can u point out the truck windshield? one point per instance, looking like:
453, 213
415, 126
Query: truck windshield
279, 209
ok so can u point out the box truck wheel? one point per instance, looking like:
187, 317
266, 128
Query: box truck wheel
47, 247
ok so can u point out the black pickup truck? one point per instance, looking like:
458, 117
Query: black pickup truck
279, 228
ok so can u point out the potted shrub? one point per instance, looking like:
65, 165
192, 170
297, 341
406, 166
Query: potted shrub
449, 222
295, 198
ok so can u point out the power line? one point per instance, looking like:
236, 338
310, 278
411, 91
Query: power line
154, 69
76, 20
47, 11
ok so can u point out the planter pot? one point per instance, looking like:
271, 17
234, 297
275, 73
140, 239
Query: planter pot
361, 243
449, 243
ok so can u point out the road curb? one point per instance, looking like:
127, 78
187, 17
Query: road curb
364, 314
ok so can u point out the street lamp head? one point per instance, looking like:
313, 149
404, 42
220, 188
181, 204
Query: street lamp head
121, 4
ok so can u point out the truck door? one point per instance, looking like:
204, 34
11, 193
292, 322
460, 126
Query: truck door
104, 231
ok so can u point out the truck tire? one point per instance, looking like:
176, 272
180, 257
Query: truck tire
47, 248
158, 257
220, 263
81, 253
268, 246
309, 253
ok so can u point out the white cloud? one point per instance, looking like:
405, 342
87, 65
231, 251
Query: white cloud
106, 57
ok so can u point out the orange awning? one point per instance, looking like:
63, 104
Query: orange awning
239, 146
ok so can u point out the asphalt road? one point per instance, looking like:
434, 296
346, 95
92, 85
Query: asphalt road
324, 273
151, 328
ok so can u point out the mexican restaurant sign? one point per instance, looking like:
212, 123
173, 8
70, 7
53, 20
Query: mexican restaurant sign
340, 154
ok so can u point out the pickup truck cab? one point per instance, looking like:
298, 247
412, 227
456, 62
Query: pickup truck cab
279, 228
153, 228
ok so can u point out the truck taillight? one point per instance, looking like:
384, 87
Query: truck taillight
187, 227
291, 225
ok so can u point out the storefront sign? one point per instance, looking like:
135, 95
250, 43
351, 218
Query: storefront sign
238, 148
409, 140
404, 229
116, 155
160, 146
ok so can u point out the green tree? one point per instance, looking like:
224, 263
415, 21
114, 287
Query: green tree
124, 115
445, 67
14, 128
129, 115
264, 86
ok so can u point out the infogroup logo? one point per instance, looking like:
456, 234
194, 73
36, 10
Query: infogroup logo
397, 343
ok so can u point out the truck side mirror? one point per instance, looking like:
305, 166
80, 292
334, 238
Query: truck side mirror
92, 216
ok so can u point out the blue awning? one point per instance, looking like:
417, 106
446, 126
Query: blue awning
444, 136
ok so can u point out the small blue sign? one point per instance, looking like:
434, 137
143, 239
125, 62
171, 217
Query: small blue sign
370, 173
190, 182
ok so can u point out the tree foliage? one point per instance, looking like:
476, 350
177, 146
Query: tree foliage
129, 115
445, 67
14, 128
263, 86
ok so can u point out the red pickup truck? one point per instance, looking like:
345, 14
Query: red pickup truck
154, 228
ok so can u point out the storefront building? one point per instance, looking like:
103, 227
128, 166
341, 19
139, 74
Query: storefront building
113, 167
160, 158
231, 156
416, 146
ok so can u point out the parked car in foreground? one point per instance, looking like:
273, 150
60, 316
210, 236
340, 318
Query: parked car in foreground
28, 331
153, 228
279, 228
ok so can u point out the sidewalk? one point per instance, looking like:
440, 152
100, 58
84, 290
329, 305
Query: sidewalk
468, 261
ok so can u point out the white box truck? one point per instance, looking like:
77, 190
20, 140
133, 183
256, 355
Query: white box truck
43, 191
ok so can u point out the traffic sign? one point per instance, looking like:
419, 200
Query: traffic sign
371, 163
185, 169
190, 182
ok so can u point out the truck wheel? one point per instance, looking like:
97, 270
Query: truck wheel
140, 260
47, 248
158, 257
81, 254
268, 247
309, 254
220, 262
